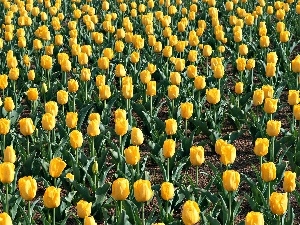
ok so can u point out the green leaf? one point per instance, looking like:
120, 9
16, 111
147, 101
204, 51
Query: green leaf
83, 114
101, 193
213, 220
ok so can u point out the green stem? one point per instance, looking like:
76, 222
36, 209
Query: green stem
143, 213
172, 108
272, 150
29, 212
4, 142
229, 219
53, 216
93, 147
49, 145
269, 189
279, 220
28, 146
151, 106
76, 155
55, 184
85, 86
120, 140
74, 108
6, 205
289, 207
121, 206
168, 169
186, 127
197, 174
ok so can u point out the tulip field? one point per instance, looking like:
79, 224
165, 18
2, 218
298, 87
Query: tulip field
149, 112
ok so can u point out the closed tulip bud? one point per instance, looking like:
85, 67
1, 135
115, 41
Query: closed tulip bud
134, 57
7, 172
104, 92
271, 69
175, 78
238, 36
278, 203
241, 64
48, 121
261, 146
219, 71
121, 127
58, 39
142, 190
199, 82
167, 51
151, 68
89, 220
120, 189
44, 88
51, 107
231, 180
213, 95
243, 49
167, 191
296, 64
284, 36
296, 112
100, 80
4, 126
46, 62
120, 71
270, 105
76, 139
26, 126
157, 46
30, 75
127, 91
171, 126
71, 120
119, 46
191, 71
145, 76
173, 91
57, 165
93, 128
9, 104
132, 155
32, 94
250, 64
3, 81
186, 110
83, 208
103, 63
229, 6
137, 137
218, 145
62, 97
254, 218
192, 57
27, 187
72, 86
13, 73
268, 171
228, 154
289, 181
238, 88
120, 114
151, 88
197, 155
207, 50
264, 41
169, 148
293, 97
180, 65
273, 128
268, 91
190, 213
9, 154
95, 169
5, 219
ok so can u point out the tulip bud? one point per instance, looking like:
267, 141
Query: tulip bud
95, 167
